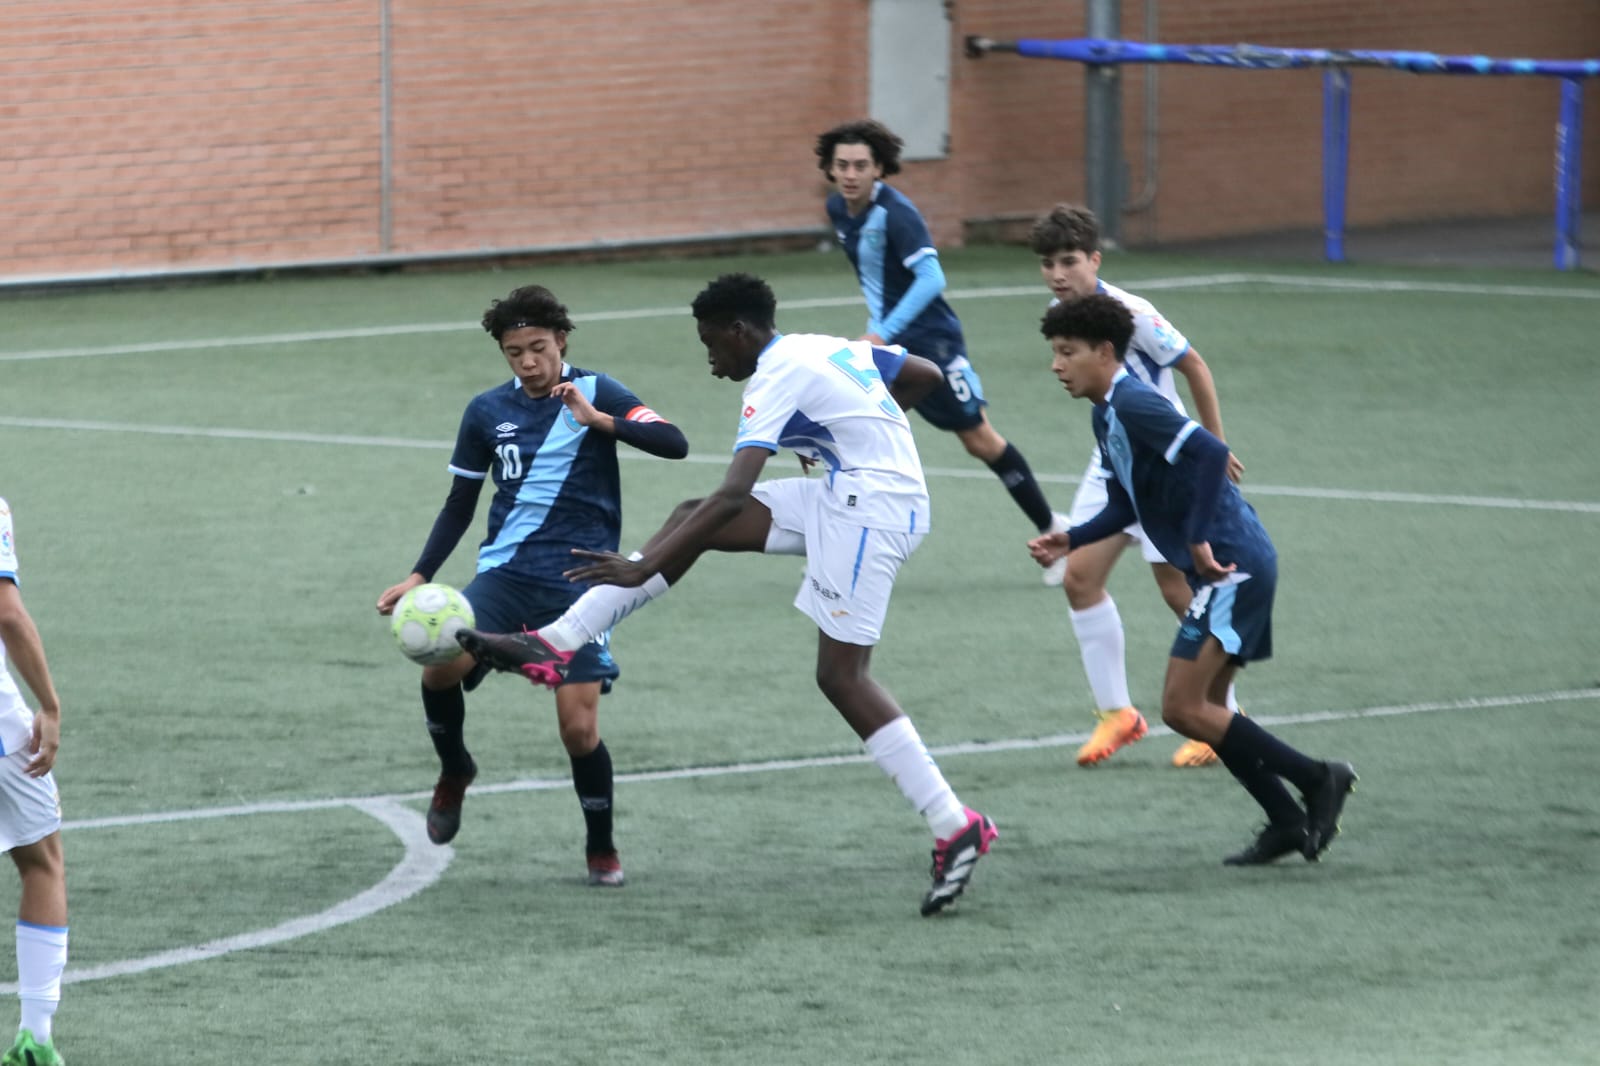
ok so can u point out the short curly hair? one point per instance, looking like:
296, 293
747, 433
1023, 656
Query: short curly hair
1093, 318
737, 297
1066, 228
531, 305
875, 135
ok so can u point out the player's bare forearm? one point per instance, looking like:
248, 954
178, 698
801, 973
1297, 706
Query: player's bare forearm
1203, 390
26, 649
1207, 407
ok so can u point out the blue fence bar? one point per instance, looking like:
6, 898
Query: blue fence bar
1335, 160
1336, 104
1569, 174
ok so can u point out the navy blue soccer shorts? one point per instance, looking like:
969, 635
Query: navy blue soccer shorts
1237, 611
505, 603
958, 403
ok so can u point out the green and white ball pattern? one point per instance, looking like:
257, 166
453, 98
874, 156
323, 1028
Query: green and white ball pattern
425, 622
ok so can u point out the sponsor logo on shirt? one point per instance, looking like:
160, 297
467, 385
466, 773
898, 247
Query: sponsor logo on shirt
506, 429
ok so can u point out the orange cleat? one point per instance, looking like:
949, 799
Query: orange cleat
1117, 729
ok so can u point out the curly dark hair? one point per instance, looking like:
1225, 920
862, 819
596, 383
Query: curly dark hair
737, 297
531, 305
1093, 318
875, 135
1067, 228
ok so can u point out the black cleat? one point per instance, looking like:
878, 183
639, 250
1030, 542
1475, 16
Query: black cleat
1272, 844
1323, 805
525, 653
444, 813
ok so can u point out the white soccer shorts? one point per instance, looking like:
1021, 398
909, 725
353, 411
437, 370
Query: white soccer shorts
30, 807
850, 569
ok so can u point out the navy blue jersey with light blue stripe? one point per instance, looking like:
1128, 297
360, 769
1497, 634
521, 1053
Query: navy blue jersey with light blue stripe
556, 483
884, 242
1141, 437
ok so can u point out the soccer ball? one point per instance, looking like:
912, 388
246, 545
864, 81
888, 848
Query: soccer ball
425, 622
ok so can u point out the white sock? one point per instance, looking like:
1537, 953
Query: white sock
41, 956
598, 610
900, 753
1233, 700
1101, 645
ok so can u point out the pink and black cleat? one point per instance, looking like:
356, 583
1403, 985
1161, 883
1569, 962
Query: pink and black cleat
525, 653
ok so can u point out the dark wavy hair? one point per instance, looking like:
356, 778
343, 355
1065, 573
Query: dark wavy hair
875, 135
1067, 228
737, 296
531, 305
1093, 318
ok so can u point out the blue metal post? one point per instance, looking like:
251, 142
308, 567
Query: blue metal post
1569, 185
1335, 159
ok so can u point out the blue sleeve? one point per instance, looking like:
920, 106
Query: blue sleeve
637, 425
473, 453
454, 519
1118, 514
923, 291
888, 361
1210, 458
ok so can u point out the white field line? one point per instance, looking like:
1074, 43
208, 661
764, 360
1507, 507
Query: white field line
423, 863
973, 472
1035, 292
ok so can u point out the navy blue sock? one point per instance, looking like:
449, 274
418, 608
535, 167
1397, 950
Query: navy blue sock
1265, 788
591, 777
1246, 744
446, 710
1013, 471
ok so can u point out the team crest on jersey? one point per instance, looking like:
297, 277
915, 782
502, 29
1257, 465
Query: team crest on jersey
571, 421
874, 237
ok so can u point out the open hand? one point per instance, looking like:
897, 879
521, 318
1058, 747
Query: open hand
607, 568
1206, 567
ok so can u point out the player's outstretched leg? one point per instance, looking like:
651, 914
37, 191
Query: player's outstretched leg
954, 859
524, 653
444, 813
1324, 802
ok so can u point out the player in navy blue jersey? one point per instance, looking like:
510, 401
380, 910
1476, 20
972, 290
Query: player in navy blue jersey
1170, 475
898, 267
548, 439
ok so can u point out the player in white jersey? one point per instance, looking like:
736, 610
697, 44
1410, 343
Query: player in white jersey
840, 404
30, 815
1067, 242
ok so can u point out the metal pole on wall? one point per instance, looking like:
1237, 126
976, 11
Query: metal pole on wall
1102, 155
385, 148
1335, 160
1569, 184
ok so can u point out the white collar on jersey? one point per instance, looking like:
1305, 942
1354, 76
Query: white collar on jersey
1118, 376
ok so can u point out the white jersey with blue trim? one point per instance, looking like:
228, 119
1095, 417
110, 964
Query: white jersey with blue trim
15, 718
1153, 350
827, 399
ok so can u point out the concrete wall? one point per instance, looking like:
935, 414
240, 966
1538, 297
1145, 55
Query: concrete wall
156, 134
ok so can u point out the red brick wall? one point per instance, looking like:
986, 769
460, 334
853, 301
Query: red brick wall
208, 133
